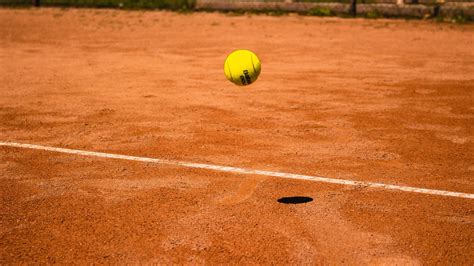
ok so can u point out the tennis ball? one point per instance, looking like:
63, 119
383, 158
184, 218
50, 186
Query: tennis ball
242, 67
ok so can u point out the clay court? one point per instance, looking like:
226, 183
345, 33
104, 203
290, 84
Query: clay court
356, 100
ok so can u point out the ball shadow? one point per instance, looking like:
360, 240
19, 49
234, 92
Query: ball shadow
295, 200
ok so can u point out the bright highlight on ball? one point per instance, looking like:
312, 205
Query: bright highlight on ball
242, 67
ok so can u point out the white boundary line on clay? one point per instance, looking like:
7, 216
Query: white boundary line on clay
238, 170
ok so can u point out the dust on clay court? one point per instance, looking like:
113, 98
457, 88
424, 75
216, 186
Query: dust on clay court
370, 101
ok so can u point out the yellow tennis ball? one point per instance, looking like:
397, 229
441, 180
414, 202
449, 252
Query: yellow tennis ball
242, 67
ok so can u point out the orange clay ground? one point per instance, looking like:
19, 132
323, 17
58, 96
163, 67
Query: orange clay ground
386, 101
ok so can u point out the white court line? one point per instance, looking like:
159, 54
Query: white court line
243, 170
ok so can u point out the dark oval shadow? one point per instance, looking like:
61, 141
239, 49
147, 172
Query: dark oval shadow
295, 200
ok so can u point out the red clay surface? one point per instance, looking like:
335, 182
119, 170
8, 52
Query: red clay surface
369, 100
